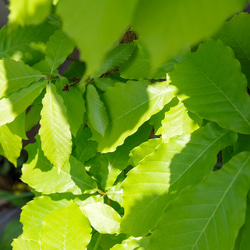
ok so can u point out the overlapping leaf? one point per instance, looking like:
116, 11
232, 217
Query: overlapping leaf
55, 130
129, 106
97, 113
211, 84
16, 103
65, 228
95, 38
182, 24
10, 144
28, 12
207, 215
235, 34
102, 217
164, 173
38, 173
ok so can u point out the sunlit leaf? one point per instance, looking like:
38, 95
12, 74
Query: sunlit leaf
201, 211
160, 176
66, 228
203, 81
55, 130
102, 217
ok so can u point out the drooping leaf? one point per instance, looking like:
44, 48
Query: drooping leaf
102, 217
129, 106
201, 211
58, 48
203, 81
66, 228
97, 113
11, 144
179, 121
16, 103
28, 12
16, 75
74, 104
172, 166
235, 34
38, 173
182, 25
55, 130
25, 44
94, 39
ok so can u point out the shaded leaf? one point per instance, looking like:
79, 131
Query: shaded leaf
129, 106
97, 113
66, 228
203, 81
14, 104
193, 220
38, 173
160, 176
55, 130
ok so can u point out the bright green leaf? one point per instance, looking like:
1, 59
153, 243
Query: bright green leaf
14, 104
129, 106
132, 243
20, 244
11, 144
168, 27
160, 176
235, 34
211, 84
74, 103
27, 12
66, 228
38, 173
16, 75
109, 20
97, 113
55, 130
102, 217
179, 121
216, 205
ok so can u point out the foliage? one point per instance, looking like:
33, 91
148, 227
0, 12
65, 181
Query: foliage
131, 133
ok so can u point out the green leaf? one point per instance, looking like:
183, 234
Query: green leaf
243, 240
193, 220
16, 103
66, 228
235, 34
74, 104
58, 48
182, 25
160, 176
20, 244
15, 76
97, 113
116, 57
25, 44
179, 121
132, 243
102, 217
33, 116
27, 12
138, 66
11, 144
55, 130
129, 106
94, 39
38, 173
203, 81
84, 148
